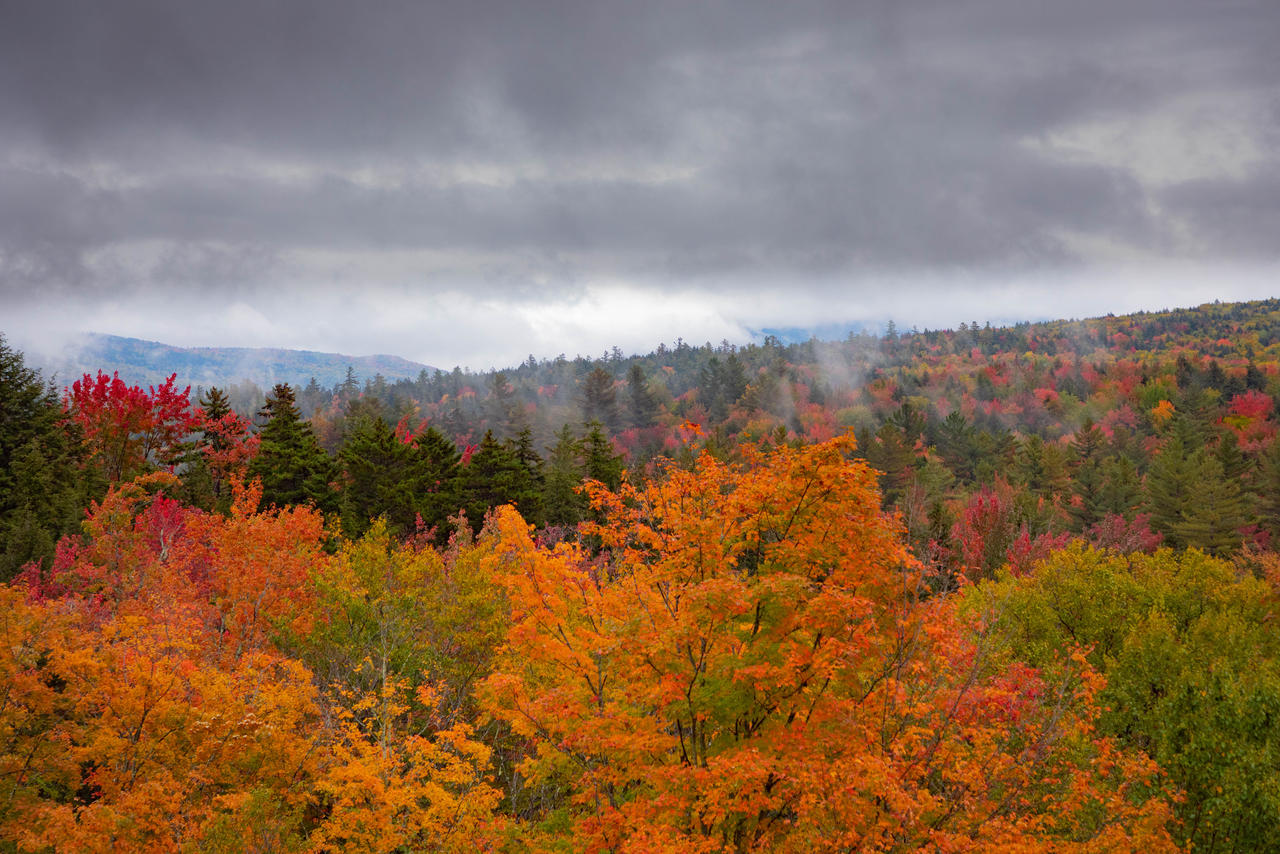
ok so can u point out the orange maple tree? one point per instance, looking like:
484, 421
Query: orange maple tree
752, 663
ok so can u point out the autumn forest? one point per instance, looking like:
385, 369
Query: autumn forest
980, 589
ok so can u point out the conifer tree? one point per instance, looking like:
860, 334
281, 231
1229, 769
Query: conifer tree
957, 445
600, 399
563, 504
495, 476
382, 476
1192, 502
1087, 475
644, 407
1042, 469
533, 509
1235, 465
599, 460
1121, 492
502, 408
294, 469
41, 492
441, 487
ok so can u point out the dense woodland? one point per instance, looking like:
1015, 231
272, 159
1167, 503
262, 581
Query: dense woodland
977, 589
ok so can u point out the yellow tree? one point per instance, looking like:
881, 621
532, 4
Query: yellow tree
399, 769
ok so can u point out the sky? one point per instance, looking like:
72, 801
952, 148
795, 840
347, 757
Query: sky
472, 183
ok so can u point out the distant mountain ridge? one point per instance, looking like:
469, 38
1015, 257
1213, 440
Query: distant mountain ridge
148, 362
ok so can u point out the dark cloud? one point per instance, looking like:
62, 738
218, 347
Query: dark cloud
543, 147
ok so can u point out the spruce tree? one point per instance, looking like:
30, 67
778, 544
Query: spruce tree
562, 502
644, 407
600, 399
495, 476
294, 469
1192, 502
382, 476
1121, 492
534, 508
441, 467
1087, 479
41, 488
1267, 489
599, 460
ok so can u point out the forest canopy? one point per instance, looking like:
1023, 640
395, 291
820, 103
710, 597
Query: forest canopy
981, 589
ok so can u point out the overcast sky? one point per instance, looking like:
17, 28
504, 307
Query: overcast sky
471, 182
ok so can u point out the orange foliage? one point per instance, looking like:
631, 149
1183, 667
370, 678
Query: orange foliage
751, 664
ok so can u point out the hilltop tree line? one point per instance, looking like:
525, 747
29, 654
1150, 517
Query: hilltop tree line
985, 437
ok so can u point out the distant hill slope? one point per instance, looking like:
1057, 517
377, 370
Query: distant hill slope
144, 362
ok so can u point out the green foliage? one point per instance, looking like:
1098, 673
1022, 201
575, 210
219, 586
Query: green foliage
382, 476
644, 406
1192, 663
494, 476
1192, 501
600, 399
599, 460
41, 490
293, 467
564, 503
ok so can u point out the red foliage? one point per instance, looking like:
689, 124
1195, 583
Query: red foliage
981, 537
1119, 534
127, 429
1026, 550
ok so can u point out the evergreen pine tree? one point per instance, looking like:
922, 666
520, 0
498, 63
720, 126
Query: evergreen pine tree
891, 455
41, 488
294, 469
562, 502
502, 408
644, 407
1121, 492
534, 508
441, 466
1191, 501
1087, 481
1235, 465
495, 476
199, 487
382, 476
599, 460
1042, 469
957, 445
600, 399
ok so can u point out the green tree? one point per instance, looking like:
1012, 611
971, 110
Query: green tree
382, 476
1121, 491
563, 503
495, 476
1268, 490
294, 469
441, 497
1087, 477
1191, 501
644, 407
41, 490
599, 460
534, 508
1192, 662
600, 399
1041, 468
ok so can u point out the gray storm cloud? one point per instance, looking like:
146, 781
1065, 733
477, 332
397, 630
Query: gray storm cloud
453, 163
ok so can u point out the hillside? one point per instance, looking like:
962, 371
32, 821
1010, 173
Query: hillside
149, 362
